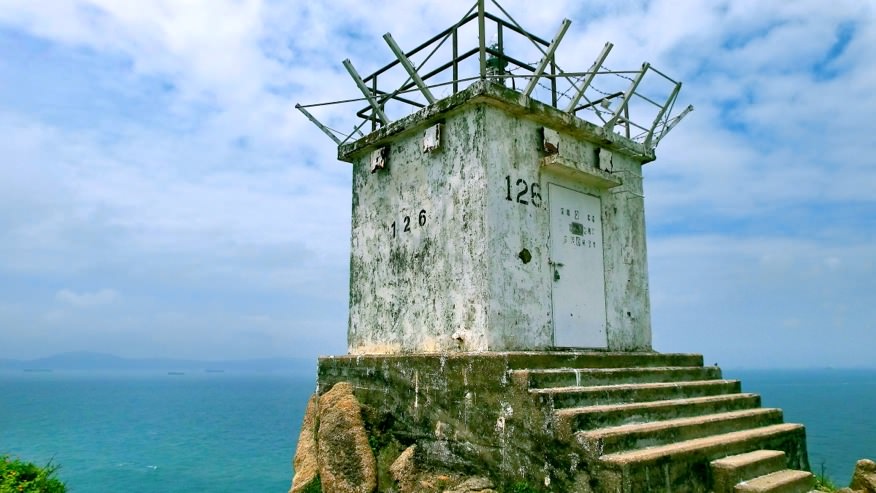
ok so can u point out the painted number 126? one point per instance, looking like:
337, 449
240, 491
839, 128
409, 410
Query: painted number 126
525, 193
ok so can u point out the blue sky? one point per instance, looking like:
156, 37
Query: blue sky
160, 195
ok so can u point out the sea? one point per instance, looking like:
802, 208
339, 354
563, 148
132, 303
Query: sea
236, 432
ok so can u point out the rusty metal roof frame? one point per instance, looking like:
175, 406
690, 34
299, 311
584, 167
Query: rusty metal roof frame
612, 109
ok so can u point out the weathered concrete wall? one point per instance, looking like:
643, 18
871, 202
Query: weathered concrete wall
520, 293
463, 412
419, 259
491, 415
445, 254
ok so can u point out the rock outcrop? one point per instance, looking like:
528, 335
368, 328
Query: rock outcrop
333, 446
412, 478
864, 477
404, 471
306, 462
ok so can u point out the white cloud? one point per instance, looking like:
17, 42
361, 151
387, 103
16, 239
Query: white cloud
87, 299
214, 181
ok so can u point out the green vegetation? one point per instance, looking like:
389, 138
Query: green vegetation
315, 486
521, 488
23, 477
824, 483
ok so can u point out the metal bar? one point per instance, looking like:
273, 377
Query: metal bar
520, 28
443, 34
444, 67
663, 110
408, 67
553, 82
594, 69
355, 130
627, 121
646, 98
394, 95
500, 38
670, 79
455, 28
517, 62
339, 101
434, 72
374, 116
547, 57
596, 72
405, 88
316, 122
611, 121
637, 125
501, 46
482, 39
455, 61
672, 124
517, 29
594, 103
362, 112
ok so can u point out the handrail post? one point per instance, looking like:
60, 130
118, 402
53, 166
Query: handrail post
548, 56
587, 80
319, 125
482, 38
673, 123
412, 72
626, 98
365, 91
669, 102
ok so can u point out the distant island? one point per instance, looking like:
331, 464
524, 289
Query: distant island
86, 360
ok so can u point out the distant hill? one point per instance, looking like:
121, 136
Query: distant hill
84, 360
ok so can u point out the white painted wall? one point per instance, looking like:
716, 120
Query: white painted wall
457, 283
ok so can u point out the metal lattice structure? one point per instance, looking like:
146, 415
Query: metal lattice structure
637, 104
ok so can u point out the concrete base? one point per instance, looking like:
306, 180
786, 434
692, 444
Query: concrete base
561, 421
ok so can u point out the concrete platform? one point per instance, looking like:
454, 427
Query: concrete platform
580, 421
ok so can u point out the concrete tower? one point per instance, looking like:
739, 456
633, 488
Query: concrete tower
490, 221
499, 332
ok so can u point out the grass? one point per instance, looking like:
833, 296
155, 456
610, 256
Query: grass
17, 476
521, 488
823, 481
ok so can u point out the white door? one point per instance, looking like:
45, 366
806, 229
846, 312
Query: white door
578, 293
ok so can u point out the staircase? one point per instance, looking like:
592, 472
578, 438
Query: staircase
665, 423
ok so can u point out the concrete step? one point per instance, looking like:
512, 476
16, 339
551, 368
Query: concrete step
568, 377
564, 397
774, 437
683, 467
784, 481
521, 360
656, 433
730, 471
588, 418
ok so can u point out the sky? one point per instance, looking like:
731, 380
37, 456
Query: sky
161, 196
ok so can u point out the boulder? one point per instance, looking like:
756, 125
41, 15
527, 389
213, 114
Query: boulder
306, 462
411, 479
404, 470
473, 485
864, 478
346, 461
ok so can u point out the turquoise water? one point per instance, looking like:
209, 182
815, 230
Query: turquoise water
213, 432
221, 432
838, 408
